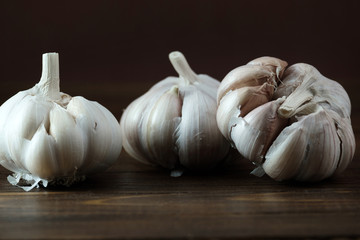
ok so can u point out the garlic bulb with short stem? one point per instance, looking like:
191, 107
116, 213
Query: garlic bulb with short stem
301, 130
49, 136
174, 125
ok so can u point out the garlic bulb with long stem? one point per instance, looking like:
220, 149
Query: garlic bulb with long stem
49, 136
174, 125
301, 130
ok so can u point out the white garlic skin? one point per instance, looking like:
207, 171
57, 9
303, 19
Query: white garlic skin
323, 107
47, 135
305, 134
307, 150
259, 127
174, 125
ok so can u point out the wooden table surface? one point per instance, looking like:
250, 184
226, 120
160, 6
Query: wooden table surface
134, 201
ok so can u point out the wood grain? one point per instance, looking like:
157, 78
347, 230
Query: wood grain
134, 201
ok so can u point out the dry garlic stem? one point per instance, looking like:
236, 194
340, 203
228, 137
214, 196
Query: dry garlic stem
49, 83
48, 136
173, 125
304, 131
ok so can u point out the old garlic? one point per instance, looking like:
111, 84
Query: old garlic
301, 130
174, 125
49, 136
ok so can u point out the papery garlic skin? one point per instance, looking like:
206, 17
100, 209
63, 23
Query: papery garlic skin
46, 135
259, 127
246, 88
174, 125
312, 87
307, 150
301, 130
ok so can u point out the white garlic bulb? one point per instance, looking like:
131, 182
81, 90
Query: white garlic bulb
298, 130
49, 136
174, 124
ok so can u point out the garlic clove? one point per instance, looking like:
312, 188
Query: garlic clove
244, 99
228, 108
307, 150
255, 73
324, 148
15, 130
283, 159
132, 122
33, 110
245, 88
198, 145
253, 134
160, 128
130, 127
103, 140
347, 142
69, 150
40, 155
245, 76
254, 97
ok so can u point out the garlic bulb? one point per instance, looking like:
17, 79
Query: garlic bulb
174, 123
299, 129
49, 136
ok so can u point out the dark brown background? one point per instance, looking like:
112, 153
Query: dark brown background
113, 51
124, 42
